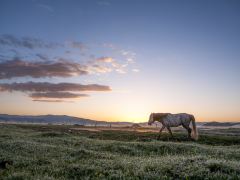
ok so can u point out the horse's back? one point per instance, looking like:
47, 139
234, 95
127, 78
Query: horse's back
174, 120
184, 116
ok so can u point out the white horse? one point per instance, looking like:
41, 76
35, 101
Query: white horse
173, 120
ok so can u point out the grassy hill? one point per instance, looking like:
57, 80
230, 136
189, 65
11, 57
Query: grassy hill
57, 152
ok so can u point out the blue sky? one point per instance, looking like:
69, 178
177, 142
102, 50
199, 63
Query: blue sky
167, 56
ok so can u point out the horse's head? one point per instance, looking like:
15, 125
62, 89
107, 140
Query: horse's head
151, 120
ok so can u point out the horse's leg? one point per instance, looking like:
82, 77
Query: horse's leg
160, 131
189, 130
169, 130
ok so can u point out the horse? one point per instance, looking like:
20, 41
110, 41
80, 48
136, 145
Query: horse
173, 120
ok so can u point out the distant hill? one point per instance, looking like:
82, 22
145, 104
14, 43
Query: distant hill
221, 123
57, 119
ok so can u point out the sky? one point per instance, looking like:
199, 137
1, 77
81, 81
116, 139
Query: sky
120, 60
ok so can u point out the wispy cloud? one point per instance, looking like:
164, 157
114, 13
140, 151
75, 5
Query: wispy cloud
26, 42
33, 43
105, 65
99, 69
135, 70
105, 59
128, 56
79, 45
42, 57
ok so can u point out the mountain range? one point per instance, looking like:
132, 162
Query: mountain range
71, 120
57, 119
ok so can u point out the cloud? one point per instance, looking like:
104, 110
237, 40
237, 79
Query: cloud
50, 92
105, 59
78, 45
96, 68
135, 70
33, 43
51, 87
20, 68
51, 55
105, 65
35, 58
42, 57
26, 42
50, 100
121, 71
128, 56
60, 68
59, 95
100, 65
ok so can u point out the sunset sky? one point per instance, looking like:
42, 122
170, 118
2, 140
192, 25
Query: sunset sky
120, 60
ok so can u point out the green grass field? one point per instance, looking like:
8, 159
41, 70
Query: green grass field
55, 152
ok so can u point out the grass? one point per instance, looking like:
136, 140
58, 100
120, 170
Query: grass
55, 152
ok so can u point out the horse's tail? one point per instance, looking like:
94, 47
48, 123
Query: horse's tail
194, 132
